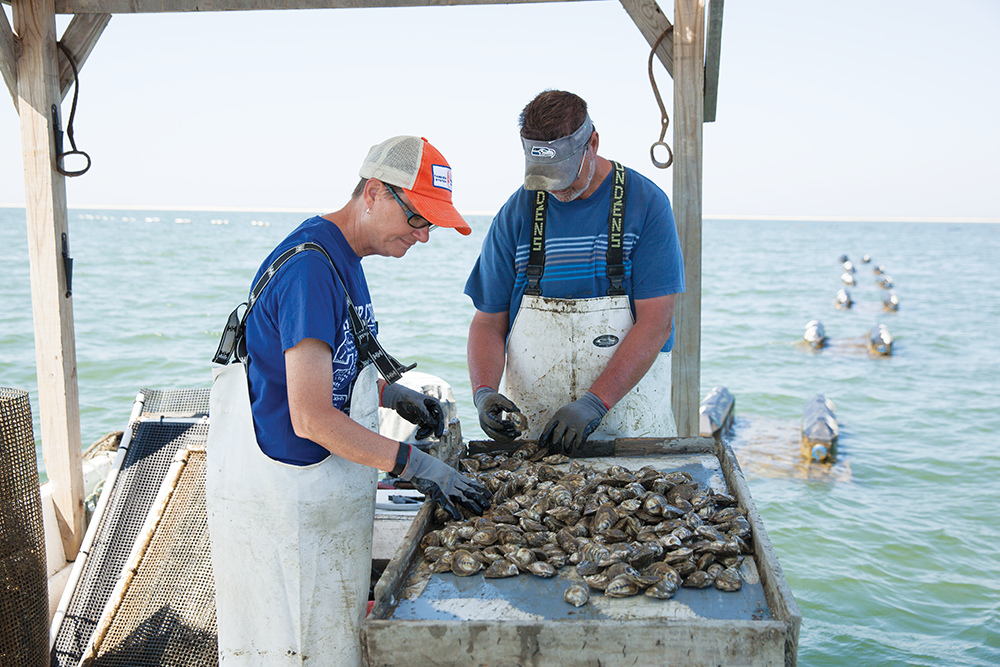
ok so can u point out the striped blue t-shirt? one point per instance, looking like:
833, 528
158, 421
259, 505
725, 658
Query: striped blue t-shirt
576, 244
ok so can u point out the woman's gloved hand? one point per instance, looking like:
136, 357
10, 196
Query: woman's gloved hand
420, 409
572, 424
490, 405
443, 484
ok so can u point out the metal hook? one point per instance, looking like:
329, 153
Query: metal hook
664, 119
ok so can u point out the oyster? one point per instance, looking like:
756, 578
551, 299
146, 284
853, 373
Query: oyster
554, 460
542, 569
621, 586
501, 569
441, 566
664, 571
577, 595
729, 580
598, 581
464, 564
698, 579
604, 517
523, 558
485, 537
664, 589
435, 553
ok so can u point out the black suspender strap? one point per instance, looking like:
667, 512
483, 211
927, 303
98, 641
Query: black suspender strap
536, 251
616, 226
234, 338
616, 234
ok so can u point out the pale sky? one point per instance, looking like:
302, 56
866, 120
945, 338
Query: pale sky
856, 108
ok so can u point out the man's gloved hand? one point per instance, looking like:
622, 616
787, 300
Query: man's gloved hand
443, 484
490, 405
420, 409
572, 424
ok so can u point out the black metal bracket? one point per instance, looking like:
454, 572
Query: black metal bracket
67, 265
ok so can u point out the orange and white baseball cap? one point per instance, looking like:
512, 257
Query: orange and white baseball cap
413, 164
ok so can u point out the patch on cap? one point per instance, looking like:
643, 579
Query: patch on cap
542, 151
442, 176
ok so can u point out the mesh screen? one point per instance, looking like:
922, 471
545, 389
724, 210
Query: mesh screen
395, 161
175, 402
153, 446
167, 614
24, 598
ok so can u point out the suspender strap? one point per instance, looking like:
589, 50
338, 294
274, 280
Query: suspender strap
536, 252
616, 225
234, 336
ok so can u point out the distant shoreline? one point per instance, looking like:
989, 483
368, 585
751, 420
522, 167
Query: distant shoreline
707, 216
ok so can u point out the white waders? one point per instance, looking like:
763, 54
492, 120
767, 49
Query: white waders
291, 545
556, 350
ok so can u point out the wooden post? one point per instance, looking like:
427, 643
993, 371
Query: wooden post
45, 206
689, 47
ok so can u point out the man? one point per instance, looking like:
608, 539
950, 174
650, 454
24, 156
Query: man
291, 477
574, 292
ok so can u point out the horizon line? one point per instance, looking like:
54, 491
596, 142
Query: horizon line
707, 216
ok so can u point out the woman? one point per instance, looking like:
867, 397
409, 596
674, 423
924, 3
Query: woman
291, 473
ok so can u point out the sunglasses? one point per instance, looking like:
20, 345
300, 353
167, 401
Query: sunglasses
410, 215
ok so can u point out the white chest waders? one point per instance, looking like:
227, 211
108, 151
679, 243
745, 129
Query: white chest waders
291, 545
557, 348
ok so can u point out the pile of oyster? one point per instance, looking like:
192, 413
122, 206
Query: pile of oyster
625, 531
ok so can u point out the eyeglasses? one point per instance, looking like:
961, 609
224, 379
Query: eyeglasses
583, 158
410, 215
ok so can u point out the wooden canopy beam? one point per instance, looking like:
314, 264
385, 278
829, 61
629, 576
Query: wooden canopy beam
48, 243
167, 6
10, 49
652, 23
80, 38
689, 84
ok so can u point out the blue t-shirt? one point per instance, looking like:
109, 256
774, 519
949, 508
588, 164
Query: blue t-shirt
303, 300
576, 245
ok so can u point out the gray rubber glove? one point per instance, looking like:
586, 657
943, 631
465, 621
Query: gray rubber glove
572, 424
420, 409
490, 405
443, 484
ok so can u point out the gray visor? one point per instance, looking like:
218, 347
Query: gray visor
553, 165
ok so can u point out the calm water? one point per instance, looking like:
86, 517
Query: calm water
891, 553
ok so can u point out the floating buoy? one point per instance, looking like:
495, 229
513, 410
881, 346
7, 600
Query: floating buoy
884, 281
820, 430
815, 335
890, 301
848, 278
842, 259
878, 270
849, 267
867, 258
844, 299
716, 413
880, 341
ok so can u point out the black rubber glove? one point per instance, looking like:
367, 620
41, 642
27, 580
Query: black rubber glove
490, 405
445, 485
420, 409
572, 424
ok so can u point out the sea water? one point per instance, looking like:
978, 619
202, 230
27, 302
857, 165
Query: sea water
891, 553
